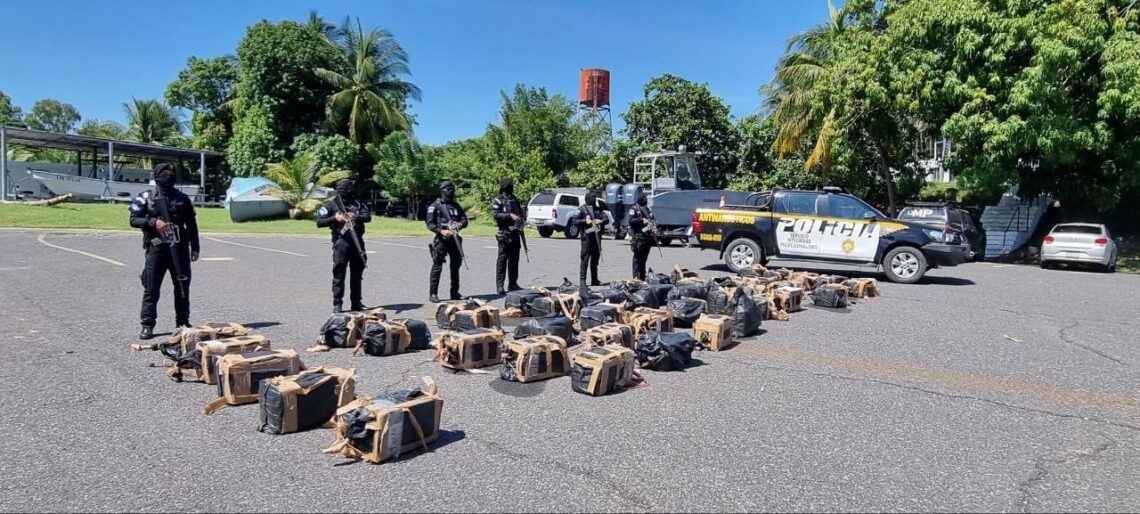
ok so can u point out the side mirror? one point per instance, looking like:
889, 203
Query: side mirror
869, 216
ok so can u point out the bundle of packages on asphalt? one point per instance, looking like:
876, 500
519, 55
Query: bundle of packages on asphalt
378, 429
600, 314
784, 273
517, 303
689, 288
308, 399
618, 334
664, 351
658, 278
344, 329
803, 279
680, 273
651, 295
713, 332
476, 348
240, 375
602, 370
862, 287
484, 316
830, 295
534, 358
185, 340
685, 311
747, 315
828, 279
758, 282
566, 304
614, 296
391, 337
719, 299
201, 362
784, 300
559, 326
644, 320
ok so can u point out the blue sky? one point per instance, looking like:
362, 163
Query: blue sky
98, 54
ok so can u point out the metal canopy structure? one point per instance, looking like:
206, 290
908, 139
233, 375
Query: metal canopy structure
96, 145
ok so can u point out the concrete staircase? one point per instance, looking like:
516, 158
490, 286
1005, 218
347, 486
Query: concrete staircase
1011, 222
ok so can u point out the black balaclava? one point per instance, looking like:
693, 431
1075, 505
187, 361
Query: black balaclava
345, 189
507, 186
643, 200
164, 177
591, 202
447, 191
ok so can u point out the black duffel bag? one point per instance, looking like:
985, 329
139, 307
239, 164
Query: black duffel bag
599, 314
665, 351
685, 311
559, 326
521, 299
746, 314
658, 278
694, 289
830, 295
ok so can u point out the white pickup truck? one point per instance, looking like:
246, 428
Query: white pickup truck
550, 210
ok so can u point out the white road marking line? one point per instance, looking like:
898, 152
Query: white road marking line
216, 259
15, 268
255, 247
80, 252
400, 244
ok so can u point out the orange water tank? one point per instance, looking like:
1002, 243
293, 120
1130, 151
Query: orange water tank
594, 88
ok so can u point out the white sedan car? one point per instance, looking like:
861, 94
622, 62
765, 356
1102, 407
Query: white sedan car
1086, 243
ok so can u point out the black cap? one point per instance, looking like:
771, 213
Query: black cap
446, 184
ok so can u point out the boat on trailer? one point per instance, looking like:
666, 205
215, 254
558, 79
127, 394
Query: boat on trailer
86, 188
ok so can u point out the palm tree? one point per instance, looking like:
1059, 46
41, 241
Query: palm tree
791, 96
298, 178
322, 27
370, 102
152, 121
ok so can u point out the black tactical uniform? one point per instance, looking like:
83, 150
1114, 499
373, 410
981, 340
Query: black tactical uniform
642, 238
509, 235
591, 236
181, 235
344, 253
445, 214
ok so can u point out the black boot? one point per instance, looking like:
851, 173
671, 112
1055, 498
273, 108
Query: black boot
146, 333
456, 296
338, 307
433, 298
514, 287
358, 307
499, 289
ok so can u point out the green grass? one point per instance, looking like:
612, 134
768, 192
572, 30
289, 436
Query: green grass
1128, 262
102, 216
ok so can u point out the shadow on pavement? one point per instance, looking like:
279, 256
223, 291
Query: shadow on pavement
401, 307
262, 324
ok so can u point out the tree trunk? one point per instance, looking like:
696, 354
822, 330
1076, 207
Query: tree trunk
888, 178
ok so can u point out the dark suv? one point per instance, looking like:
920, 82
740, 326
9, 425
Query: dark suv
948, 216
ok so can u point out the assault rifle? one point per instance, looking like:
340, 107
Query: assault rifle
171, 236
454, 227
520, 225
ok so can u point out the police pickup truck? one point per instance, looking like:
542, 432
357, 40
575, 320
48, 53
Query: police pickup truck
824, 226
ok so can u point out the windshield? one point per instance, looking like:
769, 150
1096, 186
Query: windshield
920, 213
542, 199
1076, 229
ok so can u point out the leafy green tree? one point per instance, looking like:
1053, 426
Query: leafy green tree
10, 114
332, 152
298, 177
152, 121
207, 87
677, 112
406, 169
279, 95
759, 164
533, 120
53, 116
613, 165
371, 90
1044, 94
106, 129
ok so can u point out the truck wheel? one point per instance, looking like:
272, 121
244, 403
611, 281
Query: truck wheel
571, 232
545, 231
904, 265
741, 254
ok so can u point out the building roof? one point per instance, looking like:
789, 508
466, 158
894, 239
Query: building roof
39, 138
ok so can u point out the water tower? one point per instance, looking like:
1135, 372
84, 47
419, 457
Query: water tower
594, 101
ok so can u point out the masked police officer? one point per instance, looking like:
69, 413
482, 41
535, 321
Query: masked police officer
509, 217
445, 218
642, 234
345, 254
170, 237
591, 222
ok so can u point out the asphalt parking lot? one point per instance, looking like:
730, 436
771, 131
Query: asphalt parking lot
984, 388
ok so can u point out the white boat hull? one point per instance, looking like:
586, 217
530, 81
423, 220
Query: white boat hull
86, 188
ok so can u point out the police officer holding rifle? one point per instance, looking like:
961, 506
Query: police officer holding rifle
345, 217
445, 218
510, 219
170, 237
642, 234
